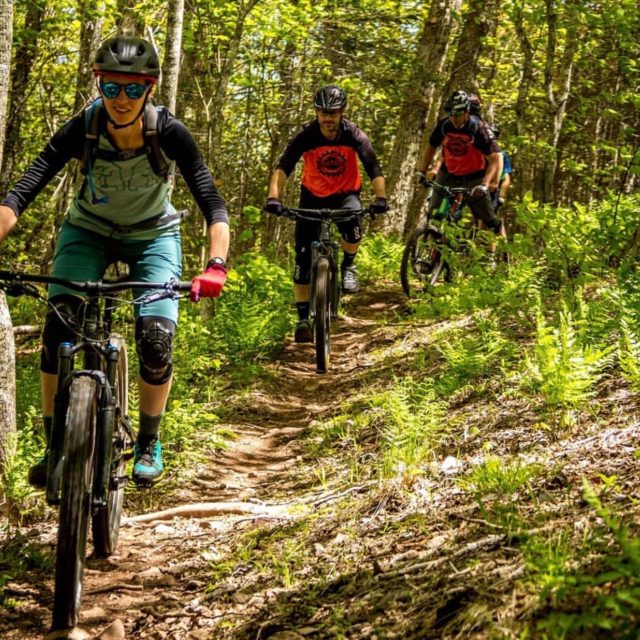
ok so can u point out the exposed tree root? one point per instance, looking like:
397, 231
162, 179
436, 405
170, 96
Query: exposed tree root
208, 509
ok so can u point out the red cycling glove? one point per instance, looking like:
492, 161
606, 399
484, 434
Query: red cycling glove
208, 284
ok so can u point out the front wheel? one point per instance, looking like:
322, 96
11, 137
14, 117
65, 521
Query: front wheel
323, 315
105, 522
422, 262
75, 504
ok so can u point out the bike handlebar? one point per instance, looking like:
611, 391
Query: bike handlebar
453, 191
96, 287
325, 215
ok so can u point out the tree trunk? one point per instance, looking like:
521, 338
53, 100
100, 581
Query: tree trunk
7, 384
129, 21
171, 63
19, 90
7, 347
426, 76
559, 77
478, 24
91, 12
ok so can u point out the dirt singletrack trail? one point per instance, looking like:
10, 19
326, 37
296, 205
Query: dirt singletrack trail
157, 584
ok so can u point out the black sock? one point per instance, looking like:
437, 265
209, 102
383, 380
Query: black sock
47, 422
149, 429
347, 260
303, 310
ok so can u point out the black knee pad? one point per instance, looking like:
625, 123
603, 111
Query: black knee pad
56, 331
154, 344
302, 273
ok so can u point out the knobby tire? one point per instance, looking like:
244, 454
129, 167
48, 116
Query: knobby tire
75, 505
422, 263
323, 315
105, 522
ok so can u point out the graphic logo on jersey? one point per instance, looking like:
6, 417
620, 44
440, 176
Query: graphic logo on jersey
332, 163
457, 145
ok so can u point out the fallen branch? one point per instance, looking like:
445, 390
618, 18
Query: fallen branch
27, 330
120, 586
208, 509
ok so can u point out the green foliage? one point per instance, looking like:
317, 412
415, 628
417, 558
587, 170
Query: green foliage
629, 354
411, 420
591, 597
495, 484
22, 500
561, 368
378, 258
251, 318
472, 357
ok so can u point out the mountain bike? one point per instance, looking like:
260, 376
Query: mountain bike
325, 283
91, 436
424, 260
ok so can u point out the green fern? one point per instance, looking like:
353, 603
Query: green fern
562, 369
412, 422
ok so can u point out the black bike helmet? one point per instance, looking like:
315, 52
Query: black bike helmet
127, 54
475, 105
457, 103
495, 127
330, 98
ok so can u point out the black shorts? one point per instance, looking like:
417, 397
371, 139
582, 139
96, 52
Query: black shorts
482, 208
306, 231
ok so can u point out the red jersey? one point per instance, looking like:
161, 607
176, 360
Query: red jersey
464, 150
331, 166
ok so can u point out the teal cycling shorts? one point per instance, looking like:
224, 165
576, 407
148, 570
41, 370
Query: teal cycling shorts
84, 255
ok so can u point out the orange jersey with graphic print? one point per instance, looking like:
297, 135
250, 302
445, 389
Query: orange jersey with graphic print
331, 166
464, 150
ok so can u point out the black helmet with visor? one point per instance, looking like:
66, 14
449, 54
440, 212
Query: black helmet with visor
130, 55
457, 103
330, 98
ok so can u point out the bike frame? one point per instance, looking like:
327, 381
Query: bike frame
101, 363
325, 246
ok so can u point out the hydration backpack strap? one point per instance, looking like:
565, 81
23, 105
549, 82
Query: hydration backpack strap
91, 119
155, 155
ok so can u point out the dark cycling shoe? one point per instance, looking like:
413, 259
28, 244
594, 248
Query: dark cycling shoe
349, 280
37, 476
303, 332
147, 463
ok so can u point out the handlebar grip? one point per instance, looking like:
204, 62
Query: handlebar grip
195, 291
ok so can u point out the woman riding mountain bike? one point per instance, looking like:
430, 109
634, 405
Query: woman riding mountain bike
127, 148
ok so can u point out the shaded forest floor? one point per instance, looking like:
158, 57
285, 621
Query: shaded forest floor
297, 533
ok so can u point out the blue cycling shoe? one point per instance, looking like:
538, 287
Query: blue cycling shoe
147, 463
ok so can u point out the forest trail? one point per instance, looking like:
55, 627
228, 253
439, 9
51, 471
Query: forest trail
155, 583
295, 532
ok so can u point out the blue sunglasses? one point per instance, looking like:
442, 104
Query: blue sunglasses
134, 90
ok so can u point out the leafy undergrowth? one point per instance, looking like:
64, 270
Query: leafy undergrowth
469, 468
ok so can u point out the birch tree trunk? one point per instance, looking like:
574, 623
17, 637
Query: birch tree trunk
7, 346
171, 63
425, 77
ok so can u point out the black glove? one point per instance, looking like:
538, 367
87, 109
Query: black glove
379, 206
274, 206
479, 190
421, 179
